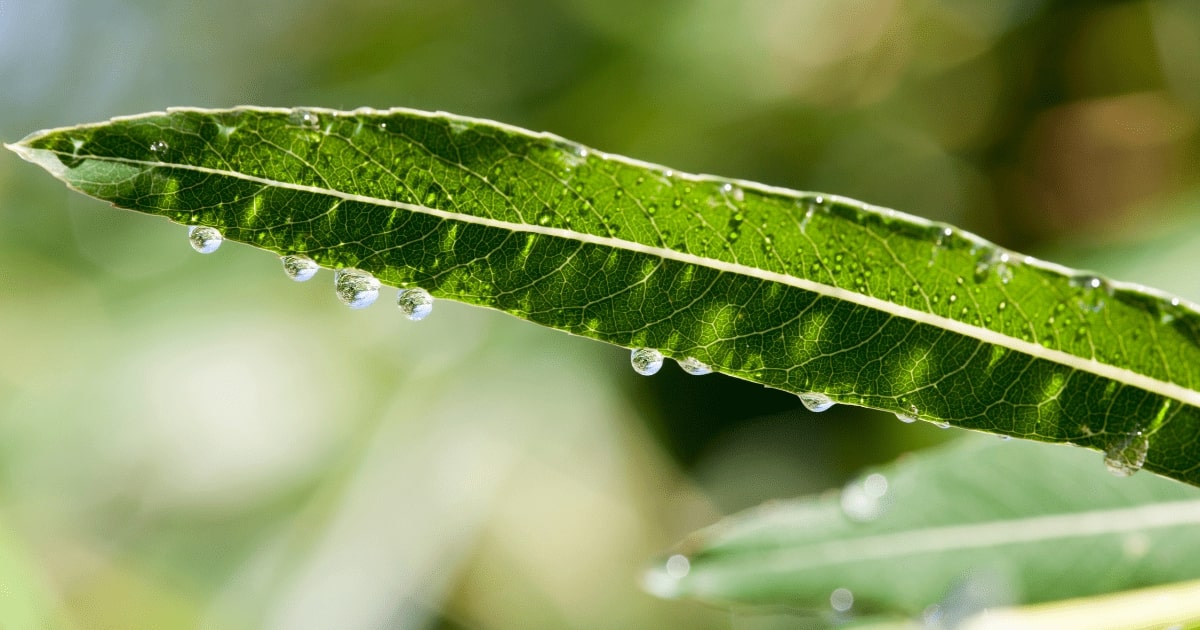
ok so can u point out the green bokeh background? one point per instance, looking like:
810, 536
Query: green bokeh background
191, 441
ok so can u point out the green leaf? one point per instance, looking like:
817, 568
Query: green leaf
803, 292
971, 525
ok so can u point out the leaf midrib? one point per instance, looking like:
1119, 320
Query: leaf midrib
991, 534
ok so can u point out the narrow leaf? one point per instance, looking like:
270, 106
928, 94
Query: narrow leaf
946, 533
809, 293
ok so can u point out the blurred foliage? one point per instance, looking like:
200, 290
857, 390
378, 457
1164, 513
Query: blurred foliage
188, 441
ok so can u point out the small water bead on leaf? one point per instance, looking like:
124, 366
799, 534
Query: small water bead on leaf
678, 566
416, 303
816, 402
841, 600
305, 118
864, 500
158, 146
1126, 454
941, 424
910, 416
646, 361
1094, 291
355, 288
997, 262
204, 239
299, 268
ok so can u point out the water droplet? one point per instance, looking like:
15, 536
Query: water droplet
995, 261
305, 118
646, 361
158, 146
842, 600
1125, 454
910, 416
355, 288
940, 424
816, 402
1094, 291
694, 367
416, 303
204, 239
678, 566
299, 268
863, 500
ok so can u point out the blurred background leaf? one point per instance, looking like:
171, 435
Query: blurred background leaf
945, 534
393, 476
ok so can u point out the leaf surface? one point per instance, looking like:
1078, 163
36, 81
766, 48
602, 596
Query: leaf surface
946, 533
804, 292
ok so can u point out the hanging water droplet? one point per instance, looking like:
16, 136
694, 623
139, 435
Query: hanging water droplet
158, 146
910, 416
299, 268
841, 600
1126, 454
678, 566
646, 361
355, 288
863, 500
694, 367
304, 118
940, 424
204, 239
416, 303
816, 402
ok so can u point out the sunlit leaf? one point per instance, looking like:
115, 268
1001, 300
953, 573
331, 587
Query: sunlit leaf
809, 293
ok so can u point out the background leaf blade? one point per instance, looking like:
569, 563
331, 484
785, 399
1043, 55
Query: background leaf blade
966, 526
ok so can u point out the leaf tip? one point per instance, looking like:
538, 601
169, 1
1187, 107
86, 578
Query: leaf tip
42, 157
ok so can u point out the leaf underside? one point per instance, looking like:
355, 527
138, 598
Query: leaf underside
798, 291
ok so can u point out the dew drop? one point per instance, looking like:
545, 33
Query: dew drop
841, 600
299, 268
1094, 291
940, 424
158, 146
204, 239
304, 118
1126, 454
864, 500
416, 303
678, 566
816, 402
355, 288
910, 416
694, 367
646, 361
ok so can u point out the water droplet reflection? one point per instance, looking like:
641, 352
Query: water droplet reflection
694, 367
1126, 454
416, 303
646, 361
816, 402
355, 288
204, 239
299, 268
